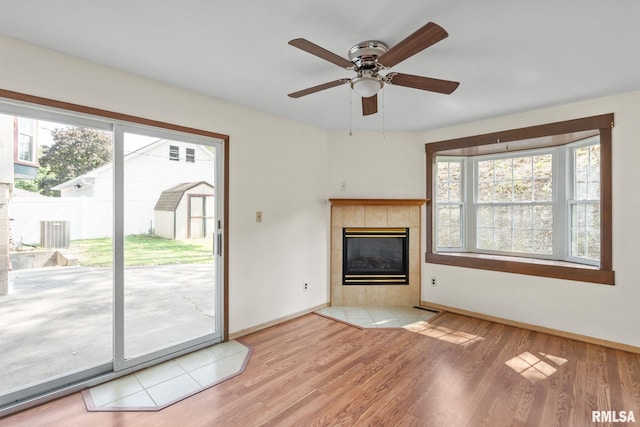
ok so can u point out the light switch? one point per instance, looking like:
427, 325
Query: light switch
258, 216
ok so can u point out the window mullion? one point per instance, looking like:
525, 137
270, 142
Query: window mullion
561, 171
470, 198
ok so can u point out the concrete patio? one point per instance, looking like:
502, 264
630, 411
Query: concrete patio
59, 319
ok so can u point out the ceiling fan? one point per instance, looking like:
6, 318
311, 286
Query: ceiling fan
371, 57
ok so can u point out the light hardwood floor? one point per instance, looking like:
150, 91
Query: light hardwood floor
454, 371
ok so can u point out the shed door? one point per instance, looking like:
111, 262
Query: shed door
201, 219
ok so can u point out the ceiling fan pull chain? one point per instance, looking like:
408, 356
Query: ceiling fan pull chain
384, 135
350, 111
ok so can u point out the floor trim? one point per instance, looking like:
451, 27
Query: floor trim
247, 331
563, 334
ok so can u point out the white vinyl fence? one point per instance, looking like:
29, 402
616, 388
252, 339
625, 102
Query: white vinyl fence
89, 217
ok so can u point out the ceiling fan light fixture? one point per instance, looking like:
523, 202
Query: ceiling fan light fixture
366, 86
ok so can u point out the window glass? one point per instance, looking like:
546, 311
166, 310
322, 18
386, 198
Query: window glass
449, 204
26, 136
191, 155
585, 205
509, 192
174, 152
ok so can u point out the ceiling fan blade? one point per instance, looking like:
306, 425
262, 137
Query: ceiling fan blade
423, 83
321, 52
318, 88
419, 40
370, 105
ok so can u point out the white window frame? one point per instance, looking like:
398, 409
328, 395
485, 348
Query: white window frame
563, 176
463, 209
117, 124
31, 135
190, 155
174, 153
571, 200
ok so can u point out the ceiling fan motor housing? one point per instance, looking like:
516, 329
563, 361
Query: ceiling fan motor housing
365, 54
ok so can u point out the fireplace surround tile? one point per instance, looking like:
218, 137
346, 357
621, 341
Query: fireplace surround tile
376, 213
336, 238
352, 216
399, 216
336, 216
353, 296
375, 216
336, 261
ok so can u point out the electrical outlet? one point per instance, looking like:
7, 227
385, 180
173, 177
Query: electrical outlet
434, 281
305, 287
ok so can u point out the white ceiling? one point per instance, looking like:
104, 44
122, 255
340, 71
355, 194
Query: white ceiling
509, 56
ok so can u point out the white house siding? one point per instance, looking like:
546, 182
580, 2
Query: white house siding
148, 172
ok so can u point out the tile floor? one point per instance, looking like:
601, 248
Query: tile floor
378, 317
159, 386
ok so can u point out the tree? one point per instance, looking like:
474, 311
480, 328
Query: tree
75, 151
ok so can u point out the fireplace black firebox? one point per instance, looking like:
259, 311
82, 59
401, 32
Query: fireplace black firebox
375, 256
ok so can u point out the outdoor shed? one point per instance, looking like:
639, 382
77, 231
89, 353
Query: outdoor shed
185, 211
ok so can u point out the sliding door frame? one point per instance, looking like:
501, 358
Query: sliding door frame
120, 360
76, 380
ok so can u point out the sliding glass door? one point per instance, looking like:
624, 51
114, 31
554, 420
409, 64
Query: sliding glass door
56, 308
170, 273
112, 236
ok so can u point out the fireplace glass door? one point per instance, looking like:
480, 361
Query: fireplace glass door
375, 256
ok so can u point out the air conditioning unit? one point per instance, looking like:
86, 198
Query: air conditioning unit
55, 234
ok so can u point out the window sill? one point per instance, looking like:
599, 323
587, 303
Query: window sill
528, 266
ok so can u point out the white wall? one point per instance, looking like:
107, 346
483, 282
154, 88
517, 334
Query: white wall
606, 312
277, 166
373, 165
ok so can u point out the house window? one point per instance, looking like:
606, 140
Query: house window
531, 201
511, 206
26, 140
174, 152
191, 155
514, 204
584, 203
450, 204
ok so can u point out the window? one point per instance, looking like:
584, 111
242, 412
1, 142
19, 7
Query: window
514, 204
528, 201
191, 155
26, 140
450, 206
174, 152
512, 208
584, 203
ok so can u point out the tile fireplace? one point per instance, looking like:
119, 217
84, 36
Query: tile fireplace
356, 218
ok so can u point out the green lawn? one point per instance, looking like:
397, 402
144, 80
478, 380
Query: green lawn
143, 250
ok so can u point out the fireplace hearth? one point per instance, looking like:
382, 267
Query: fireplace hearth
375, 256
